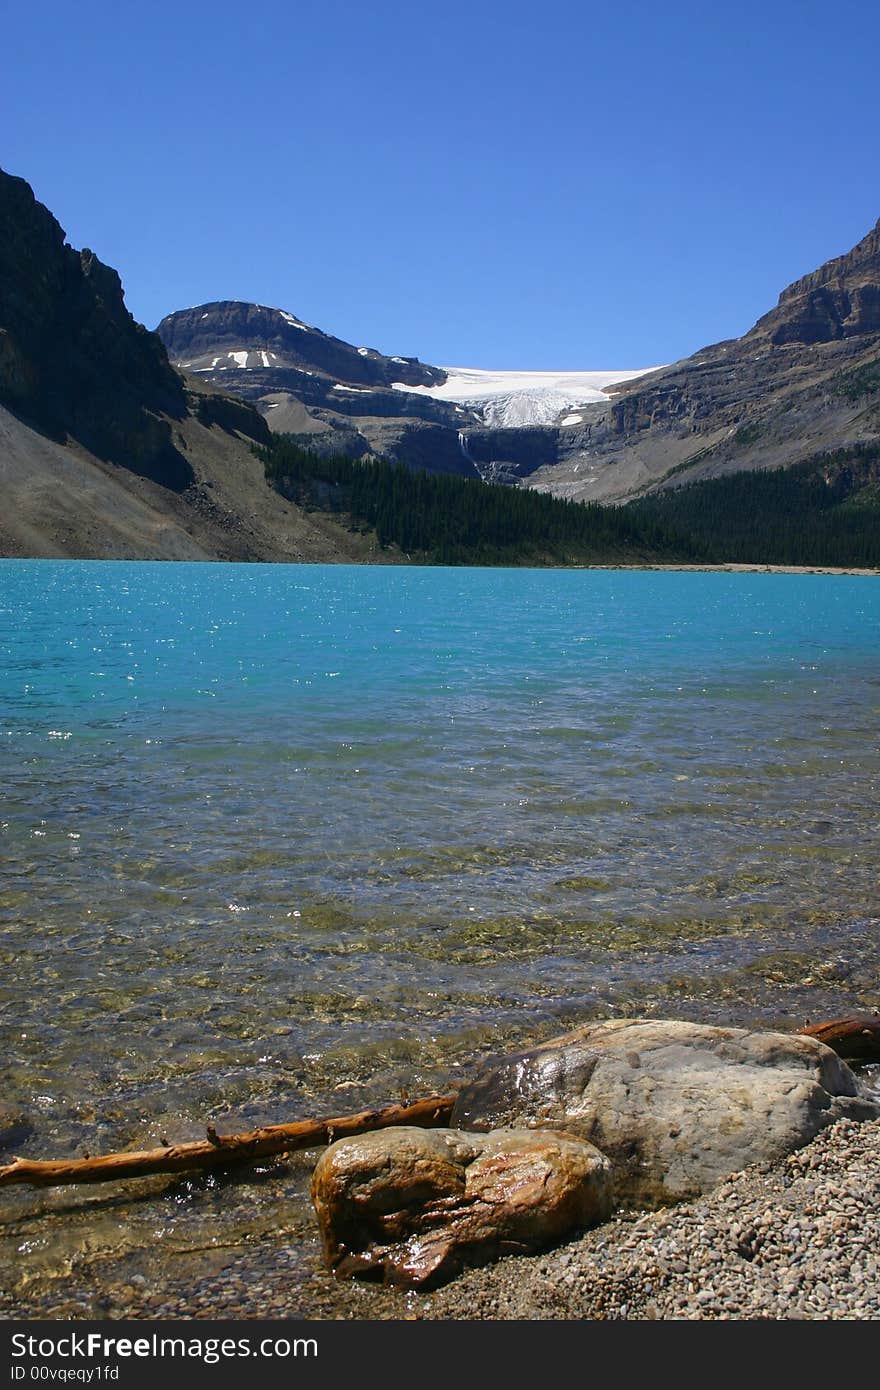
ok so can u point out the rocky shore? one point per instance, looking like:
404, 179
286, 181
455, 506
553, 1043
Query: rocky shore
796, 1240
791, 1236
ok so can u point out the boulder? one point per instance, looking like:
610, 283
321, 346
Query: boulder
414, 1207
675, 1106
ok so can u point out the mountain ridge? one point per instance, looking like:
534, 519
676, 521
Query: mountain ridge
866, 249
786, 389
804, 379
106, 452
339, 397
72, 360
185, 335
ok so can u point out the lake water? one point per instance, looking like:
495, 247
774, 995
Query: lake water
287, 840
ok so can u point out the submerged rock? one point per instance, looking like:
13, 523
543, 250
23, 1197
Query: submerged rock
414, 1207
676, 1106
15, 1128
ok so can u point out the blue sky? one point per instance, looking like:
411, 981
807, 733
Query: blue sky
563, 185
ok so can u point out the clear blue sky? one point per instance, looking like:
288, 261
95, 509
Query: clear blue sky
556, 185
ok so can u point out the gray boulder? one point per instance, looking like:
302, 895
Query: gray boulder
414, 1207
675, 1106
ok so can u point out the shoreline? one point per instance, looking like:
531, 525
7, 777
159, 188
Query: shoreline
798, 1239
793, 1240
391, 562
744, 569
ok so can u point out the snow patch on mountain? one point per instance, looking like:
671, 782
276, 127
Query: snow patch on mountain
509, 399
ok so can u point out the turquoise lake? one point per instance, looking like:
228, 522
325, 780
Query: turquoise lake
287, 840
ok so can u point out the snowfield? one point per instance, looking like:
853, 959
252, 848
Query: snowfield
506, 399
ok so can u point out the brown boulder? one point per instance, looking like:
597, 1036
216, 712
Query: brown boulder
414, 1207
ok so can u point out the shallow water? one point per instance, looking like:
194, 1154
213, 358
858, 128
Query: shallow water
281, 840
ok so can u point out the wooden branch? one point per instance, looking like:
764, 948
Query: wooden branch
219, 1151
856, 1039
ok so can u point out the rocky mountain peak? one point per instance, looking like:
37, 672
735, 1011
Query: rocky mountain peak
106, 284
840, 299
73, 362
862, 260
332, 394
804, 380
235, 336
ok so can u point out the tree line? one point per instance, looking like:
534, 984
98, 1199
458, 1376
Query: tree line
440, 518
825, 511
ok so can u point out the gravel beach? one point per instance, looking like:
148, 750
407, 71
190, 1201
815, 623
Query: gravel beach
800, 1240
793, 1241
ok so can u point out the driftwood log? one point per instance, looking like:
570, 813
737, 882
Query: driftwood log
220, 1151
855, 1039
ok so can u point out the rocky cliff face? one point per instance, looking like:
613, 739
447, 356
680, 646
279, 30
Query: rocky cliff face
73, 362
231, 335
839, 300
331, 394
106, 452
805, 379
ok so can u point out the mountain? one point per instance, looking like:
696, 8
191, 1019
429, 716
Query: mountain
335, 396
105, 450
804, 381
232, 335
72, 360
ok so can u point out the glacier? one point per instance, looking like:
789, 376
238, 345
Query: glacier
512, 399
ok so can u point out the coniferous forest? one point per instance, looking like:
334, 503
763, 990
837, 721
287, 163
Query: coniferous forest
438, 518
825, 511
